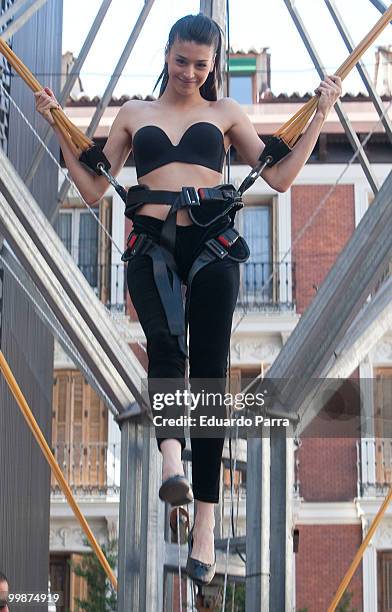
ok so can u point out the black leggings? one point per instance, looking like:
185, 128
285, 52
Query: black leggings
212, 302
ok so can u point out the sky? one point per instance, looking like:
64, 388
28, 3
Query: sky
253, 23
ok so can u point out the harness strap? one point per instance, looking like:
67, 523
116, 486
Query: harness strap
170, 293
214, 248
162, 254
169, 289
187, 197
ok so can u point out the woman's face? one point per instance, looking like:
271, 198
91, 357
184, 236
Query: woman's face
189, 65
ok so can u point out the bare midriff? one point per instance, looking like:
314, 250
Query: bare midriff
172, 177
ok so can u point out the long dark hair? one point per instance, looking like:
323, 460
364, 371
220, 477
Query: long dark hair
204, 31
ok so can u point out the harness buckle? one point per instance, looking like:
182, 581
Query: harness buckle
216, 248
135, 244
190, 196
228, 238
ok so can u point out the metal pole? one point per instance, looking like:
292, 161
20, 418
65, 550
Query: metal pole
278, 509
130, 528
258, 525
10, 12
217, 10
254, 494
350, 133
379, 5
68, 85
66, 290
20, 21
331, 6
109, 90
46, 315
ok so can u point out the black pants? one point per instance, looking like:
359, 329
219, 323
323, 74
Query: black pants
212, 302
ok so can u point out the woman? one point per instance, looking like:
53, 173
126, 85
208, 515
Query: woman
181, 139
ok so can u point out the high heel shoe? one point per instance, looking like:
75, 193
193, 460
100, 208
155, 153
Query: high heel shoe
176, 490
201, 573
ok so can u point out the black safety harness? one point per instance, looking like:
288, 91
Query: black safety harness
212, 208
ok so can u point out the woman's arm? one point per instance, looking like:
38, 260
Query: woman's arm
244, 138
117, 148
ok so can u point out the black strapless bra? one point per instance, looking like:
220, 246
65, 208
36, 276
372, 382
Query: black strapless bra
202, 144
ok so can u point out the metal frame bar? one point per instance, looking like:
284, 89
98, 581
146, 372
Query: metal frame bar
376, 99
141, 552
46, 315
14, 8
20, 21
109, 90
73, 75
373, 321
68, 293
350, 133
258, 524
379, 5
309, 352
309, 349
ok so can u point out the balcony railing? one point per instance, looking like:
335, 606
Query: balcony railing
92, 469
374, 458
263, 285
267, 286
109, 283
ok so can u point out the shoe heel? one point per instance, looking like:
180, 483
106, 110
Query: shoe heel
201, 573
176, 491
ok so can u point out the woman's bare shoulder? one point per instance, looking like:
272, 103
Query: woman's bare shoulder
133, 111
229, 108
229, 105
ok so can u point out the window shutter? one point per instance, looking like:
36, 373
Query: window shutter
104, 252
78, 585
382, 424
80, 430
61, 422
97, 432
88, 247
385, 581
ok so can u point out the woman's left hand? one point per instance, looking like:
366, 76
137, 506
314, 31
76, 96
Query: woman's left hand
329, 90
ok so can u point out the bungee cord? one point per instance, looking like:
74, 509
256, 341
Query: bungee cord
81, 145
283, 140
291, 130
59, 167
91, 210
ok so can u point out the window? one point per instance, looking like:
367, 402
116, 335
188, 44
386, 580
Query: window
241, 88
256, 274
382, 385
79, 432
78, 230
243, 78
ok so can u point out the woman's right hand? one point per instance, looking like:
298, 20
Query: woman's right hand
44, 101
